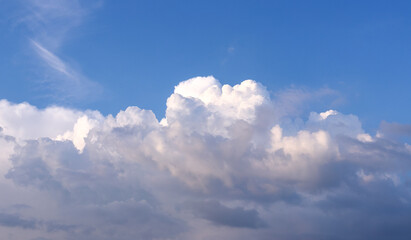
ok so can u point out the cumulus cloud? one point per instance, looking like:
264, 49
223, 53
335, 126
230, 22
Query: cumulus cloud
25, 121
226, 162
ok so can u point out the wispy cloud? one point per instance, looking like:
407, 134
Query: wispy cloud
52, 60
65, 82
47, 24
50, 21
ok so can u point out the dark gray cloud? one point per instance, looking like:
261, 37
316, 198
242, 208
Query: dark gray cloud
12, 220
222, 215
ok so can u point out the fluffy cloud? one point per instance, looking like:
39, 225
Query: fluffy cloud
25, 121
226, 162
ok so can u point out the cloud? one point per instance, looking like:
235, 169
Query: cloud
10, 220
47, 25
25, 121
226, 162
394, 129
66, 82
225, 216
52, 60
51, 21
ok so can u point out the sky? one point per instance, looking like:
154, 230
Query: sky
205, 119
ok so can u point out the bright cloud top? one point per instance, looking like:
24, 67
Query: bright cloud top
224, 163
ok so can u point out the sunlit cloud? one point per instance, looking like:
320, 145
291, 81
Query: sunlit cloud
226, 162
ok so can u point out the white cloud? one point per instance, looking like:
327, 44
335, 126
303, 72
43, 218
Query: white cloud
216, 107
335, 123
24, 121
224, 166
79, 132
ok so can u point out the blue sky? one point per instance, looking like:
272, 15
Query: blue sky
137, 51
204, 120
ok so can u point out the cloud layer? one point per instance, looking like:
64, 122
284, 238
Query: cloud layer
227, 162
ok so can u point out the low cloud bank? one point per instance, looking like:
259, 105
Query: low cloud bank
226, 162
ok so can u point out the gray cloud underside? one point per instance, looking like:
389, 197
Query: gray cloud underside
227, 162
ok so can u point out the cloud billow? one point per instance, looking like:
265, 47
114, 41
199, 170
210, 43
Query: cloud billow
226, 162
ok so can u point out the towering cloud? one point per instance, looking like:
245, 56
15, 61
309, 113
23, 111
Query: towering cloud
226, 162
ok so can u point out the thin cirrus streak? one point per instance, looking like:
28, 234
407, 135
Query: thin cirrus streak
211, 169
66, 83
53, 61
48, 23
